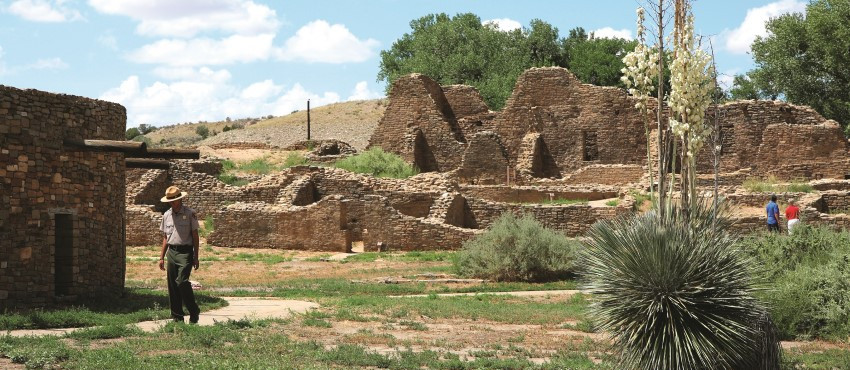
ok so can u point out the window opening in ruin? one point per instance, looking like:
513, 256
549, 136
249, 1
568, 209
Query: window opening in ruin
64, 247
590, 148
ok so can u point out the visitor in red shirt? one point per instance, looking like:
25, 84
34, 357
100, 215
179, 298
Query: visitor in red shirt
792, 213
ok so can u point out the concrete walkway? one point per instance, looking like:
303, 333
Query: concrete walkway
525, 293
238, 308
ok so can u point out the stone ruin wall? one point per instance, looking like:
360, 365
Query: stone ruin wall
45, 184
553, 125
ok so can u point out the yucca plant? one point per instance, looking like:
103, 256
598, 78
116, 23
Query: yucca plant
674, 293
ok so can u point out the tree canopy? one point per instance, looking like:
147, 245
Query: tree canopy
804, 60
462, 50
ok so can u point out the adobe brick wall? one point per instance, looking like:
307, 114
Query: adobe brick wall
612, 174
572, 220
142, 225
40, 178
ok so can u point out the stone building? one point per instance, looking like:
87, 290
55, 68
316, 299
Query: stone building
61, 209
554, 126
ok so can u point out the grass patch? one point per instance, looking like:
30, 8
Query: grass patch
772, 185
496, 308
270, 259
105, 332
208, 226
35, 352
414, 256
613, 203
294, 159
231, 179
563, 201
377, 162
136, 305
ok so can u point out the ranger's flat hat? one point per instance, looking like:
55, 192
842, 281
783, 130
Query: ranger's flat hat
173, 193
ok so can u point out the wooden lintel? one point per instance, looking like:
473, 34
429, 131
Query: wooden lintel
126, 147
167, 154
157, 164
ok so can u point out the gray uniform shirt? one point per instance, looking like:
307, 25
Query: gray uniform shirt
178, 226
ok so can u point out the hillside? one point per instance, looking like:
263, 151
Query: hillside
352, 122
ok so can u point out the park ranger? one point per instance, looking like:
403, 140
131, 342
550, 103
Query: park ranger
180, 243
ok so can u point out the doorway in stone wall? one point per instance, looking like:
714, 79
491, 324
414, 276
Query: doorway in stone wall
63, 254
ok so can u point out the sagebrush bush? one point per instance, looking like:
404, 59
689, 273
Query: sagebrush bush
377, 162
807, 275
517, 249
675, 293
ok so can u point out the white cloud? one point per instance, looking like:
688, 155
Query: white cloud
108, 40
49, 63
503, 24
43, 11
212, 99
192, 74
610, 33
361, 92
205, 51
319, 41
187, 18
740, 39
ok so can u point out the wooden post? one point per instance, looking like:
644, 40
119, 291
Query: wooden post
159, 164
126, 147
167, 154
308, 119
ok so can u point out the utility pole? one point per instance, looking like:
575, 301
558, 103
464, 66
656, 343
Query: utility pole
308, 119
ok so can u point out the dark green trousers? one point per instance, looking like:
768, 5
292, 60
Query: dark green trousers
179, 289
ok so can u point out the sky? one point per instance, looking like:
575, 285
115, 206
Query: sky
170, 61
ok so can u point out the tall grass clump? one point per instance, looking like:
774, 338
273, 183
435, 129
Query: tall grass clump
675, 293
808, 280
517, 249
294, 159
377, 162
772, 185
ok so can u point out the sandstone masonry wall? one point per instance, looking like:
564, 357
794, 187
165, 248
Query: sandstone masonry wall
49, 192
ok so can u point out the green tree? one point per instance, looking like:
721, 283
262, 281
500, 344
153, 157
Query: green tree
460, 50
594, 60
131, 133
804, 59
203, 131
145, 129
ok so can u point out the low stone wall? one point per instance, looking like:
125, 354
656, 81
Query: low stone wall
608, 175
242, 145
572, 220
534, 194
331, 225
317, 226
142, 226
834, 201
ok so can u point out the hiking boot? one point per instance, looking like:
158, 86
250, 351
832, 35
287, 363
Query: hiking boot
193, 319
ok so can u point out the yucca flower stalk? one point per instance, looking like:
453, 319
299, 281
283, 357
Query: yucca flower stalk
639, 74
675, 293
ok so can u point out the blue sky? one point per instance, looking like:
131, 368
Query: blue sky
172, 61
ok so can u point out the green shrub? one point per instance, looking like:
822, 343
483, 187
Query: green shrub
227, 165
613, 203
808, 280
131, 133
143, 139
294, 159
517, 249
377, 162
202, 131
675, 293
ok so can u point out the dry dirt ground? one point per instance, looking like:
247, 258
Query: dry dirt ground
389, 328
